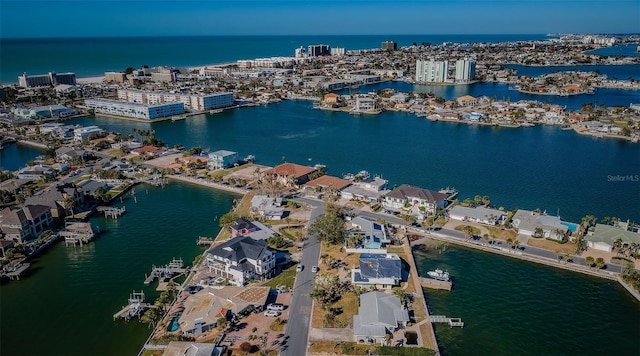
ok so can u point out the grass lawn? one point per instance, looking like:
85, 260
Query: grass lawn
501, 234
244, 206
568, 247
475, 230
340, 347
286, 278
334, 251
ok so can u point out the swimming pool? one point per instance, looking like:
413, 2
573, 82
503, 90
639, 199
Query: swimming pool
174, 325
572, 227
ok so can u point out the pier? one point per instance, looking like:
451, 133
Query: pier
441, 319
77, 232
111, 212
174, 267
14, 271
135, 307
435, 284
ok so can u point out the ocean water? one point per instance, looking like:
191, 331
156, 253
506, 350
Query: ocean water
541, 167
16, 155
94, 56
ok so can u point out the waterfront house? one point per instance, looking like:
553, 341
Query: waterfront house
58, 199
526, 222
203, 309
331, 98
378, 270
414, 200
39, 172
364, 104
603, 237
479, 215
222, 159
372, 234
266, 207
370, 189
379, 314
21, 223
466, 100
187, 348
149, 151
327, 184
70, 155
253, 229
241, 259
290, 174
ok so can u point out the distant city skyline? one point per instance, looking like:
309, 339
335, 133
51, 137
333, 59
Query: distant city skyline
98, 18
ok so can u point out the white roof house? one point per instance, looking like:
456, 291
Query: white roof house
528, 221
603, 237
480, 214
379, 313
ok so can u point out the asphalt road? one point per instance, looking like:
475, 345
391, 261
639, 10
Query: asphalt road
297, 331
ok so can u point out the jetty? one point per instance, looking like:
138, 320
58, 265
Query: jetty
77, 232
14, 271
135, 307
432, 283
111, 212
441, 319
176, 266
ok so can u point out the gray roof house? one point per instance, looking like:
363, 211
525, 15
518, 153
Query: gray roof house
603, 237
268, 208
405, 195
375, 234
379, 314
384, 270
242, 259
21, 223
480, 215
528, 221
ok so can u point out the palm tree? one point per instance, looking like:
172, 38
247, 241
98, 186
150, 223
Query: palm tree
600, 262
560, 234
516, 243
617, 245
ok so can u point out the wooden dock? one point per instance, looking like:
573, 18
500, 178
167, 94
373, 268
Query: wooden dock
176, 266
77, 232
135, 307
111, 212
445, 320
14, 271
435, 284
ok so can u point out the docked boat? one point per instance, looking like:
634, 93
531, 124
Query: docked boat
439, 275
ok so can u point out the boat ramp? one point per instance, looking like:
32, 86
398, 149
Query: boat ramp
176, 266
135, 307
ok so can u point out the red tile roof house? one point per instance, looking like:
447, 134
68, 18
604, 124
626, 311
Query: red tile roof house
327, 183
147, 150
291, 174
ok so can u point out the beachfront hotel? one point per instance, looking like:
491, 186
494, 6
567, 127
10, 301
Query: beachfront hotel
431, 71
198, 102
46, 80
135, 110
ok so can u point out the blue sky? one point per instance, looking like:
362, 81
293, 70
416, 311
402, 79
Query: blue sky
88, 18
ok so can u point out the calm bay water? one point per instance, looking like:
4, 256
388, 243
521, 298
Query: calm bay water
68, 300
16, 155
512, 307
540, 167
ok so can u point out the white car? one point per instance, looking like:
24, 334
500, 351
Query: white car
299, 268
275, 306
314, 269
272, 313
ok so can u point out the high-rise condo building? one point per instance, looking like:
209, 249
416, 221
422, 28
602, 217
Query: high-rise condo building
431, 71
319, 50
389, 46
465, 70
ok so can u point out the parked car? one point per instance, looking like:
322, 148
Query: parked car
314, 269
272, 313
299, 268
275, 306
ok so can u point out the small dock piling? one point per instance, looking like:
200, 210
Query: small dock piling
135, 307
176, 266
111, 212
441, 319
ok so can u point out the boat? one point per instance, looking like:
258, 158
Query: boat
439, 275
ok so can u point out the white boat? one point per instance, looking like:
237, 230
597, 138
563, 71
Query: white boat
439, 275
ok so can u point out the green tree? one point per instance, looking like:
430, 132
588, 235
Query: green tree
589, 260
468, 231
330, 226
227, 220
600, 262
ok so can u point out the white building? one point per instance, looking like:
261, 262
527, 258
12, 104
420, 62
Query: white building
465, 70
222, 159
528, 221
82, 133
198, 102
432, 71
364, 104
135, 110
480, 215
